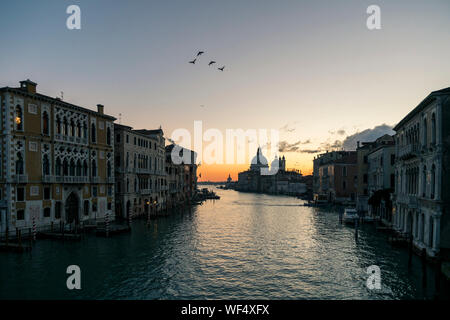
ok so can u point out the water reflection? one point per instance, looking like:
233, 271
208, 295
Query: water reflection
245, 246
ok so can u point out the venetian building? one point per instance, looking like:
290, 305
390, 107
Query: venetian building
57, 160
141, 185
422, 191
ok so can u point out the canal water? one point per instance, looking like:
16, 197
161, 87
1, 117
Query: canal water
243, 246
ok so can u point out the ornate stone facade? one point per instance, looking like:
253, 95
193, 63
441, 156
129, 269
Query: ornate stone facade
56, 160
422, 197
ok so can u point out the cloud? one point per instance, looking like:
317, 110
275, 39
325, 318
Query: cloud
368, 135
331, 146
287, 127
285, 146
310, 151
340, 132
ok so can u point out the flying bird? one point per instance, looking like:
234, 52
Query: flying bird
221, 69
200, 53
193, 61
212, 62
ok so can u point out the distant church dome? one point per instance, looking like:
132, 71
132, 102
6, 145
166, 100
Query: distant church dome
259, 161
275, 163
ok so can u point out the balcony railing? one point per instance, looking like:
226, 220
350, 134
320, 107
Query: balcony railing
21, 178
48, 179
408, 151
95, 179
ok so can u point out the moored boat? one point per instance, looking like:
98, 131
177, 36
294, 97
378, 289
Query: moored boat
350, 216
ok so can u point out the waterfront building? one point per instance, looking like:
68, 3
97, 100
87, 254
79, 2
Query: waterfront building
381, 178
141, 184
181, 176
375, 182
335, 176
275, 179
362, 188
56, 160
422, 192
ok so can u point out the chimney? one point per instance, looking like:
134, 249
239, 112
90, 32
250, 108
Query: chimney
28, 86
100, 108
357, 142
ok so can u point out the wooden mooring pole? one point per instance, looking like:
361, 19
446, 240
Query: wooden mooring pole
107, 224
34, 228
19, 238
424, 267
129, 217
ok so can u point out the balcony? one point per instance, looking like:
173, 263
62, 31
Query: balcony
95, 180
408, 151
145, 191
21, 178
69, 179
48, 179
412, 202
409, 200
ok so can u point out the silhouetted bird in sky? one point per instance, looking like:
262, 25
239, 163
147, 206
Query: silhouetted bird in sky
200, 53
221, 69
212, 62
193, 61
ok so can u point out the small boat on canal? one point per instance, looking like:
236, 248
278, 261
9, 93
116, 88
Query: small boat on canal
350, 216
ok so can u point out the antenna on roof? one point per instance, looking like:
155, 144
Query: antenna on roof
120, 118
62, 95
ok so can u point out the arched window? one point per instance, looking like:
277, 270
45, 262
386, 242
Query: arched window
65, 167
58, 167
94, 168
19, 118
19, 164
433, 181
93, 133
58, 125
65, 129
72, 128
79, 130
431, 231
85, 168
78, 168
425, 132
45, 124
108, 136
424, 182
433, 129
109, 169
72, 168
45, 166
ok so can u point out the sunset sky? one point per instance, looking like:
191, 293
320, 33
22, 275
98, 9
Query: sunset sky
310, 69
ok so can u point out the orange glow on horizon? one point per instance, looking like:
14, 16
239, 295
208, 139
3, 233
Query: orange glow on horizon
220, 172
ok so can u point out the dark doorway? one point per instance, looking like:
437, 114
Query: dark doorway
72, 209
